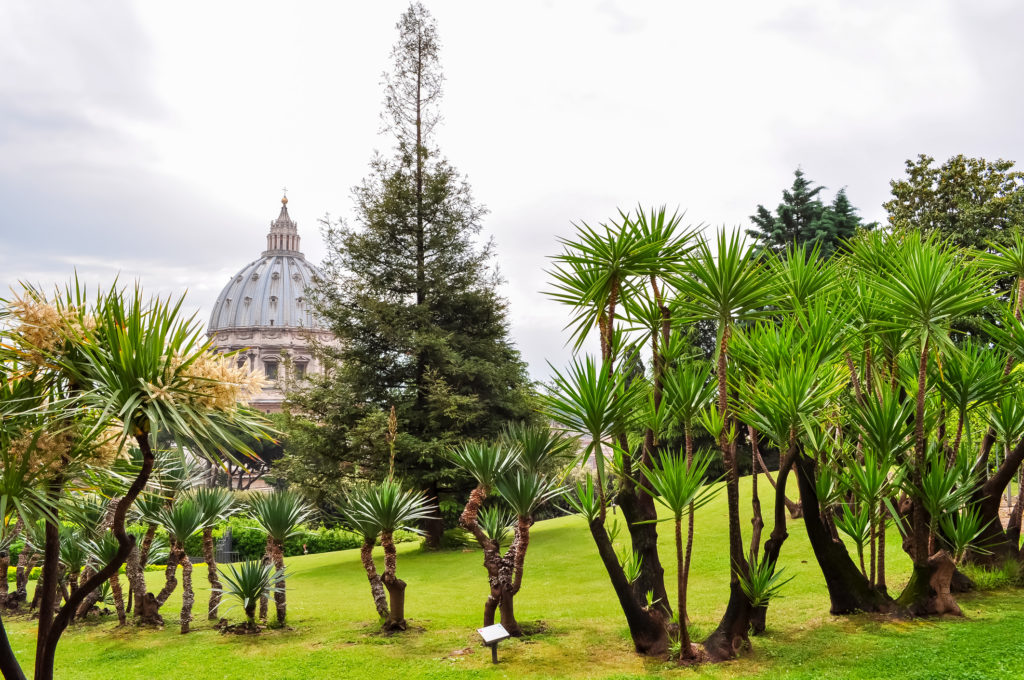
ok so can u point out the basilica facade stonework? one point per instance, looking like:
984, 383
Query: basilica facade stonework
263, 312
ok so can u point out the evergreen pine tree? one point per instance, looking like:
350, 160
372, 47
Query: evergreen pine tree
802, 219
412, 300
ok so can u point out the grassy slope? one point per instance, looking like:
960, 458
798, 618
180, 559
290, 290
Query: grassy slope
333, 624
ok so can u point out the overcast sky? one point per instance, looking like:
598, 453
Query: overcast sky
152, 140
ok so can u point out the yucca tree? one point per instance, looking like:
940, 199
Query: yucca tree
181, 521
248, 583
103, 550
677, 483
512, 468
133, 364
689, 390
792, 377
597, 400
614, 278
279, 514
216, 504
379, 510
926, 286
726, 283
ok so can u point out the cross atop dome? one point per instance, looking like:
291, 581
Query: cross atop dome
284, 233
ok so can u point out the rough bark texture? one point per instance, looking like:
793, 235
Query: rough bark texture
848, 589
928, 593
280, 596
211, 574
170, 575
395, 585
26, 561
145, 609
188, 596
118, 595
380, 600
726, 641
646, 626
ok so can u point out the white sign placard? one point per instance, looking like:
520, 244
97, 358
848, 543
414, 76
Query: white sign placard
492, 634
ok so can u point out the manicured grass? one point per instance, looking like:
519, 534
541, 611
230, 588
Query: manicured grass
332, 629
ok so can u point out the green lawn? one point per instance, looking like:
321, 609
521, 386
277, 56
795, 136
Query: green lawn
566, 595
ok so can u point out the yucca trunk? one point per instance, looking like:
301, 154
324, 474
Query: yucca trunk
118, 595
686, 647
731, 634
684, 571
144, 607
280, 595
188, 596
5, 562
211, 574
170, 576
9, 666
266, 560
93, 597
395, 585
779, 534
380, 600
646, 626
848, 589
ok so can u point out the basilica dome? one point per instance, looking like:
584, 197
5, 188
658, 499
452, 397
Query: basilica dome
263, 315
270, 291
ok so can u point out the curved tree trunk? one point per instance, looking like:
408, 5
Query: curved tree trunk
188, 596
45, 661
685, 645
170, 575
646, 626
9, 666
118, 595
848, 589
211, 574
380, 600
395, 585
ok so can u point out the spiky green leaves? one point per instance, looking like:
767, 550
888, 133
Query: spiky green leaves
280, 513
385, 507
679, 486
249, 581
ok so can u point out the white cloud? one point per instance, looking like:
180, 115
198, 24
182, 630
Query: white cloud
153, 138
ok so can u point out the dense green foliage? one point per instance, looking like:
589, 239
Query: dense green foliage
579, 634
802, 219
412, 298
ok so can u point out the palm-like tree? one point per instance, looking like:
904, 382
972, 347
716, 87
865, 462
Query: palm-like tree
137, 365
925, 287
103, 551
181, 521
689, 390
379, 510
216, 504
279, 514
727, 284
512, 468
677, 482
249, 583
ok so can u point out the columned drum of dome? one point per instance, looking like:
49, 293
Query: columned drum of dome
263, 311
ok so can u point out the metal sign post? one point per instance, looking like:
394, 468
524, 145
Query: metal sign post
492, 635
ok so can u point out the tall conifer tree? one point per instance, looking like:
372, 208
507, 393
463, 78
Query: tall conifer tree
803, 219
412, 299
